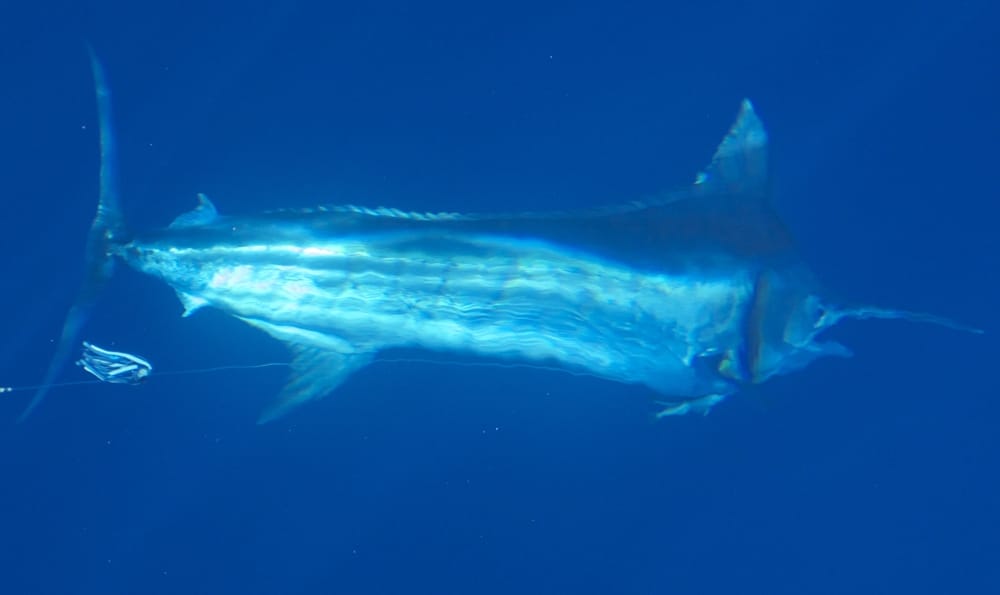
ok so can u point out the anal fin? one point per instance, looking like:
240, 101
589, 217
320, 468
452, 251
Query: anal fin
315, 373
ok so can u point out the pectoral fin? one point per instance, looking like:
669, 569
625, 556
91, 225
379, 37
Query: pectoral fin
700, 405
315, 373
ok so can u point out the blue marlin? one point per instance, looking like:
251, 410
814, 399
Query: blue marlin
694, 294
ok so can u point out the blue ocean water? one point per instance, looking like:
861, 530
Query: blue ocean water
870, 475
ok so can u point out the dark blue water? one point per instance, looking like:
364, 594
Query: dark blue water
871, 475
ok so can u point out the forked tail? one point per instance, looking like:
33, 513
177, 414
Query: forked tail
106, 230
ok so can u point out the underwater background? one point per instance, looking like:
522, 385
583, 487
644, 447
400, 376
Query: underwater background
876, 474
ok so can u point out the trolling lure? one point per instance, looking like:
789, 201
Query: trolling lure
116, 367
119, 367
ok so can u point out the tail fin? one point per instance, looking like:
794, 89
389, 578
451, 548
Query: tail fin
106, 230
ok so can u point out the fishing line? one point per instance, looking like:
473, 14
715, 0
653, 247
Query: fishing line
226, 368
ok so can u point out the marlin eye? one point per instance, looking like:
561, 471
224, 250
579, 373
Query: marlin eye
814, 311
821, 317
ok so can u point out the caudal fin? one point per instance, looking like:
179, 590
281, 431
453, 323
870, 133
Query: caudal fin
106, 230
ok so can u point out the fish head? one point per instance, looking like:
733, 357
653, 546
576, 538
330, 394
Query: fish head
789, 313
784, 324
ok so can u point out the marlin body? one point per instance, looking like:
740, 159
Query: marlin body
693, 294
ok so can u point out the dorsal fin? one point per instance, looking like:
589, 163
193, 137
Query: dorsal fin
376, 212
739, 166
740, 163
315, 374
202, 214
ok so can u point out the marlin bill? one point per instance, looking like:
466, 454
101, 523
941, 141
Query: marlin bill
690, 296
